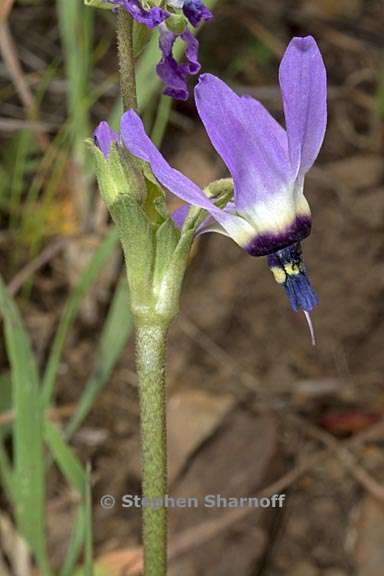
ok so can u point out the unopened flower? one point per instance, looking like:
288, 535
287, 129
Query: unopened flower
269, 215
175, 74
196, 12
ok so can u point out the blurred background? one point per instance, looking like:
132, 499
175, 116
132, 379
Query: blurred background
253, 407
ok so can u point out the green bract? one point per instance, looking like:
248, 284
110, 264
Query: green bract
113, 178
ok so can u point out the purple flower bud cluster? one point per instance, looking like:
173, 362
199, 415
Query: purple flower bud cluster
172, 73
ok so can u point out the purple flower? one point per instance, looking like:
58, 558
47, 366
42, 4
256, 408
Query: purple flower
269, 215
173, 74
196, 12
151, 18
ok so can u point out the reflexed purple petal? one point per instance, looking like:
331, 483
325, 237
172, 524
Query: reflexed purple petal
169, 70
251, 143
151, 18
175, 83
104, 136
139, 144
173, 74
196, 12
303, 85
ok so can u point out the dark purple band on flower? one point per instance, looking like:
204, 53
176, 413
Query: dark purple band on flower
289, 270
196, 12
173, 74
264, 244
150, 18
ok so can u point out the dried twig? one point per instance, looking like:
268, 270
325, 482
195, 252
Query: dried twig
43, 258
5, 9
52, 413
16, 124
345, 456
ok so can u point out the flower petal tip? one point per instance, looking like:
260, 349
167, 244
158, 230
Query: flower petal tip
303, 43
104, 137
204, 78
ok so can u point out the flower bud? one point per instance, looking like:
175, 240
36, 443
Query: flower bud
176, 23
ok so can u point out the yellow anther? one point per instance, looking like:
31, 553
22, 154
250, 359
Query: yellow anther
292, 269
278, 274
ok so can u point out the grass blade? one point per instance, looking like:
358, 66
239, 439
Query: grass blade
65, 458
88, 549
73, 471
75, 544
27, 432
76, 28
161, 121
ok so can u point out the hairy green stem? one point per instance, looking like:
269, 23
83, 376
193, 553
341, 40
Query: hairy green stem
150, 358
151, 338
126, 59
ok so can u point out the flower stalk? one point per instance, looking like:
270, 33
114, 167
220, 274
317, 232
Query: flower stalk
150, 360
151, 319
126, 59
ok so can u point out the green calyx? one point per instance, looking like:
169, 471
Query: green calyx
118, 174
